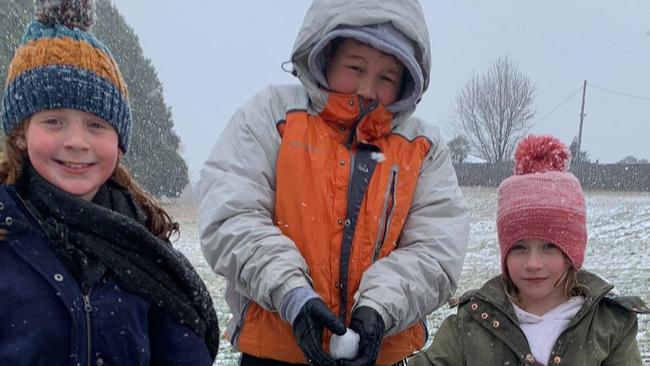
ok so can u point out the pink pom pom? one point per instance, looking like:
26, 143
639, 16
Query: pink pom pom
541, 153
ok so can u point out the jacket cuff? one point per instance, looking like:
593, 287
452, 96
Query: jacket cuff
292, 283
388, 319
293, 302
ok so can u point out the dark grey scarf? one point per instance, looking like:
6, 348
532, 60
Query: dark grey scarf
107, 236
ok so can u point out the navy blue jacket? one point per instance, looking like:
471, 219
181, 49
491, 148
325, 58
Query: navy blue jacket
46, 320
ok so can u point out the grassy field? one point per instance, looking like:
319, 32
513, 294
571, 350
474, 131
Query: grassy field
618, 250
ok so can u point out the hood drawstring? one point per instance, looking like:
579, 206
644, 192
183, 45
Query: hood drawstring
286, 69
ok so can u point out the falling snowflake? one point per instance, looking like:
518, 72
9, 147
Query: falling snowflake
377, 156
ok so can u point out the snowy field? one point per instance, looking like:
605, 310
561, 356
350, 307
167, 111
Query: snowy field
618, 250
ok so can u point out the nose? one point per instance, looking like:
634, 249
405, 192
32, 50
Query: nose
366, 88
534, 261
75, 137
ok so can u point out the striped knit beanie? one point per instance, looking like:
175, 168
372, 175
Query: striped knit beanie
60, 64
542, 200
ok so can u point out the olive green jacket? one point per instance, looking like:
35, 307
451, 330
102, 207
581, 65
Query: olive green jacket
485, 331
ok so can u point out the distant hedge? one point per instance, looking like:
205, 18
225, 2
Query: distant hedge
612, 177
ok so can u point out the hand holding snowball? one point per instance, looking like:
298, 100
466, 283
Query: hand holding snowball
370, 327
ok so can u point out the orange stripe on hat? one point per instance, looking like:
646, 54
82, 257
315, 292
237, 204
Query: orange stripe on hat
65, 51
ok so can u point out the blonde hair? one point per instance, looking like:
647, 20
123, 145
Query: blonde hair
572, 286
12, 163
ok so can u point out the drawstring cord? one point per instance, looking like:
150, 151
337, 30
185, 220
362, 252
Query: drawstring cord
286, 69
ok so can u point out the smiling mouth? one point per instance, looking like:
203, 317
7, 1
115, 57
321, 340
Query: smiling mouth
535, 279
70, 165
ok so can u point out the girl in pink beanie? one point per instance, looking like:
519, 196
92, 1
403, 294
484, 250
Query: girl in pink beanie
543, 309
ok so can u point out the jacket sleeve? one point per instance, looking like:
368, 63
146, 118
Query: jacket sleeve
626, 350
445, 350
175, 344
423, 272
237, 187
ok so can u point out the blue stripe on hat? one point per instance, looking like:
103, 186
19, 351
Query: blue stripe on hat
37, 30
57, 86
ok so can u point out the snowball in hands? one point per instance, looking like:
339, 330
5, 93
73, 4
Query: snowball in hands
345, 346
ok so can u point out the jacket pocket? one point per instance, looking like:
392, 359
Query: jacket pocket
387, 213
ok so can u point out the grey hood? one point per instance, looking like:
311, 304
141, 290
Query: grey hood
324, 16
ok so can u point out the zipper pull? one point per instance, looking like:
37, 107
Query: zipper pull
87, 307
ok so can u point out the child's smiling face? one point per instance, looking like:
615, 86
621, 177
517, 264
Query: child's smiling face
537, 268
358, 68
74, 150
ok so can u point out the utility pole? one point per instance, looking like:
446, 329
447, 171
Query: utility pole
582, 116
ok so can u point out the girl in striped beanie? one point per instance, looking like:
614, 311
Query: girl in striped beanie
88, 273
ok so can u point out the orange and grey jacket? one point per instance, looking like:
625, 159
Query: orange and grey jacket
311, 188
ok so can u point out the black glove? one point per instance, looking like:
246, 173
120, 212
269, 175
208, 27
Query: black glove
308, 327
369, 324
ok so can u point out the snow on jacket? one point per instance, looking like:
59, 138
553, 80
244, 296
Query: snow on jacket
286, 202
485, 331
46, 320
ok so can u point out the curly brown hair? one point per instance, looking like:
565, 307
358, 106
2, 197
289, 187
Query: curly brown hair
12, 163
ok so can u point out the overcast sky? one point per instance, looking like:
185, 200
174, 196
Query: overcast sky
212, 56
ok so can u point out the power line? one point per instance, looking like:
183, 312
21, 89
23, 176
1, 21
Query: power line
558, 107
620, 93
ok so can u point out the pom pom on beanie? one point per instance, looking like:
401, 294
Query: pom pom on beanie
539, 154
71, 13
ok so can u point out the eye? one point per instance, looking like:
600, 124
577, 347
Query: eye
51, 121
517, 247
550, 246
355, 68
387, 79
98, 124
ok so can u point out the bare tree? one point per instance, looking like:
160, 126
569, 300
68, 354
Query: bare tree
494, 110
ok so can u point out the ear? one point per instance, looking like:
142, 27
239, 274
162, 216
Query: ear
120, 155
21, 143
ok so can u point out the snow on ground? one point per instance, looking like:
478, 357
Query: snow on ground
618, 250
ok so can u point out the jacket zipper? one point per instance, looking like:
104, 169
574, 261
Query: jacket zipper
343, 280
88, 308
389, 209
343, 289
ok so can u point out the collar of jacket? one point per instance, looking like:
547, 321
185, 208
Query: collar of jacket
595, 288
14, 218
369, 121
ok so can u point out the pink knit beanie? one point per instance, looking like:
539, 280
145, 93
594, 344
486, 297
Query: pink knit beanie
542, 200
